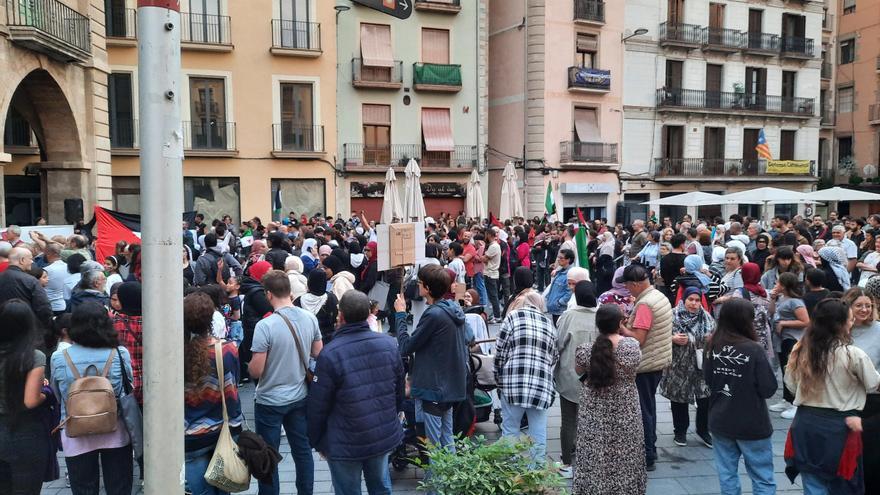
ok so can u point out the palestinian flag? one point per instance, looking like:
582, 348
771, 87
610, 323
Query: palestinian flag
580, 239
277, 204
549, 204
110, 227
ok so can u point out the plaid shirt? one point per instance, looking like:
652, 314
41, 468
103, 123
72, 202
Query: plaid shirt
525, 355
130, 331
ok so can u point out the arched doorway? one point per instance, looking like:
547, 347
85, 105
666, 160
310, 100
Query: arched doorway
41, 133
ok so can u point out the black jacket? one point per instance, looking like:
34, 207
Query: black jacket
741, 379
82, 296
16, 284
255, 304
356, 395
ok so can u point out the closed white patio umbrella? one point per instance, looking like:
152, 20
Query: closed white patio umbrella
511, 203
843, 194
413, 203
391, 206
474, 206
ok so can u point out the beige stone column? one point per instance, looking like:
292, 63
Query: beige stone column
4, 158
65, 180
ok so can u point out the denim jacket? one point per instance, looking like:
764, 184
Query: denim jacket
560, 293
82, 358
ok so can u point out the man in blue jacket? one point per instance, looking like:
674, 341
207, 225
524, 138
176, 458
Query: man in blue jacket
440, 357
354, 401
560, 292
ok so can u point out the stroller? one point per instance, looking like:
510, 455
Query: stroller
483, 374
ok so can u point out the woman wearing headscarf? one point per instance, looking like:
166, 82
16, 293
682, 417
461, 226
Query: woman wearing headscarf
576, 274
309, 255
523, 280
293, 265
761, 252
753, 292
321, 303
808, 256
696, 274
341, 281
605, 263
682, 382
258, 251
356, 260
618, 294
370, 272
834, 263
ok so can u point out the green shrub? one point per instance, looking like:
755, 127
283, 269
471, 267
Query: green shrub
479, 467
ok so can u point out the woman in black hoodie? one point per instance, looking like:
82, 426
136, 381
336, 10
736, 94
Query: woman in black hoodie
321, 303
740, 378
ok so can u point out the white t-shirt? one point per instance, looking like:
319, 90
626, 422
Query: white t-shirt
872, 259
458, 267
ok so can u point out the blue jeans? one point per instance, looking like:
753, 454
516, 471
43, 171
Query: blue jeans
196, 465
346, 476
438, 429
269, 420
814, 485
480, 286
758, 457
511, 418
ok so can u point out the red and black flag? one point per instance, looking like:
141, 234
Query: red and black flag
109, 227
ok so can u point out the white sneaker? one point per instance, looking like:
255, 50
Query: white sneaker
789, 413
565, 472
780, 406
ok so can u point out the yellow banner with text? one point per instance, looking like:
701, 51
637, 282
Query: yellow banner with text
790, 167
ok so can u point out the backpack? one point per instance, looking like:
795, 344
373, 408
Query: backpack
91, 401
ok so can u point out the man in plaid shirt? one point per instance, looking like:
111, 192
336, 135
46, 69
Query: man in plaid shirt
525, 355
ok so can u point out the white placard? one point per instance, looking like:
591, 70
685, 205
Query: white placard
47, 230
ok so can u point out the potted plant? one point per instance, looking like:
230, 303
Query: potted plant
738, 92
479, 467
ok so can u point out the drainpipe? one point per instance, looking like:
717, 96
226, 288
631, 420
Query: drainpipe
525, 25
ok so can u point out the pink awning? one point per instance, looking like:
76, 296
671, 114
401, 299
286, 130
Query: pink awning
437, 129
376, 45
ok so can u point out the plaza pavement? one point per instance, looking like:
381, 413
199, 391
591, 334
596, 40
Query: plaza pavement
680, 470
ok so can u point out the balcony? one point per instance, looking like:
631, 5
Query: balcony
438, 6
796, 48
828, 117
827, 70
761, 44
585, 79
874, 114
589, 11
124, 136
676, 99
689, 36
295, 141
722, 40
444, 78
205, 32
360, 158
296, 38
49, 27
376, 77
209, 138
828, 22
121, 27
719, 169
591, 155
18, 137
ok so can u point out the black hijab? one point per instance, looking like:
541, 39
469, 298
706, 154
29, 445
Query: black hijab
129, 294
317, 282
522, 279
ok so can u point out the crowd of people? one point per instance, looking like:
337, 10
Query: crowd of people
708, 313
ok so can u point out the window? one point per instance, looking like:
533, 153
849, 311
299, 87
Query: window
376, 53
17, 131
298, 132
586, 125
786, 145
437, 138
845, 99
208, 126
114, 18
127, 195
294, 24
435, 46
203, 24
844, 148
301, 195
122, 124
377, 134
587, 46
847, 51
213, 197
849, 6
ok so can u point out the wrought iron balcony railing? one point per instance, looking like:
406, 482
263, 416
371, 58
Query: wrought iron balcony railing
793, 46
589, 10
437, 77
288, 137
296, 35
590, 79
121, 23
722, 100
678, 34
206, 29
209, 135
50, 27
360, 155
723, 38
440, 6
697, 168
363, 76
761, 43
124, 134
576, 151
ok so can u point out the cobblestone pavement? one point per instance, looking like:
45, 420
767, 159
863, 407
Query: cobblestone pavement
680, 470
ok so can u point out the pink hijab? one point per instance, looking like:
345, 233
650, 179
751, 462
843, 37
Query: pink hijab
807, 254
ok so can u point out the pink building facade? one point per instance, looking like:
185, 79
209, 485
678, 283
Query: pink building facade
555, 102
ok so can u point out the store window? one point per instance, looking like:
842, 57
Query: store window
301, 196
213, 197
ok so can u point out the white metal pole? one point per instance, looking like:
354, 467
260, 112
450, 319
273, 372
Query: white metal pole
161, 142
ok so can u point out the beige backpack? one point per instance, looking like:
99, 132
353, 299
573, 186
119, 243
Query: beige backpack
91, 401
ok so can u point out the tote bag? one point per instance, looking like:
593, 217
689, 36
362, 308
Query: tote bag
227, 470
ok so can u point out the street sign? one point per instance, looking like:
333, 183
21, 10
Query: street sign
401, 9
